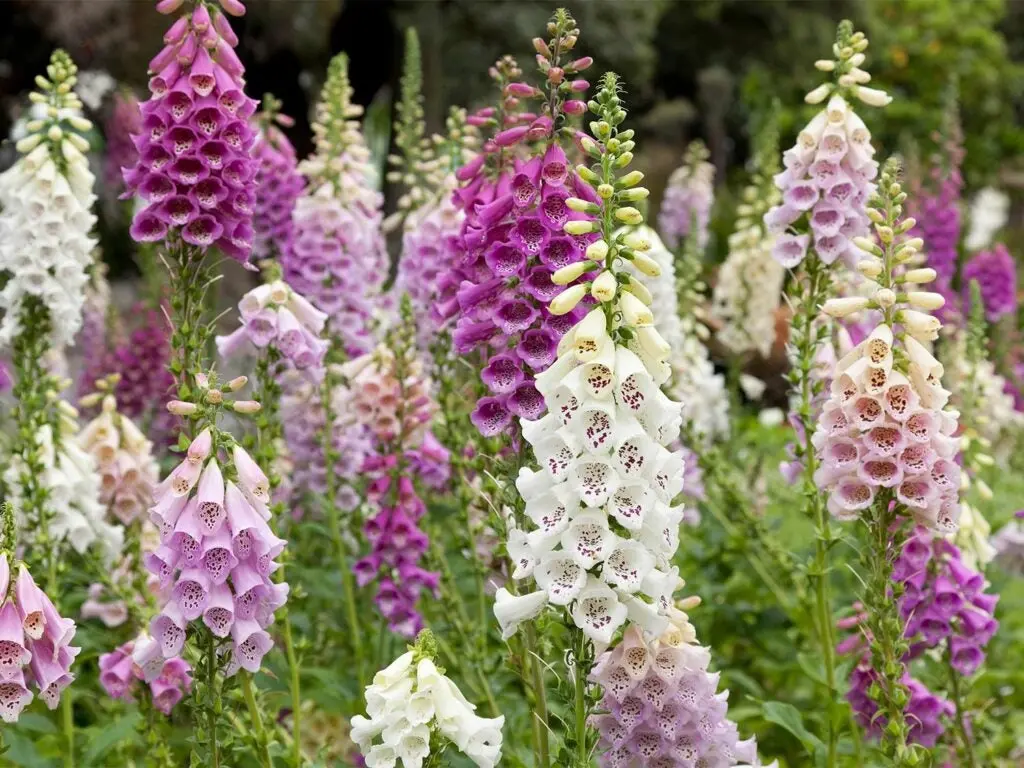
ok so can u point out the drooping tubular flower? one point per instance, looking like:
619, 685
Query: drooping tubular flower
749, 285
412, 707
124, 123
274, 315
338, 259
195, 168
278, 183
884, 430
996, 274
46, 217
35, 642
663, 707
140, 660
518, 229
944, 602
829, 173
124, 461
217, 550
391, 397
694, 381
604, 526
686, 209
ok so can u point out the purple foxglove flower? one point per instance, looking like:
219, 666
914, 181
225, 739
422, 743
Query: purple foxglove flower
996, 274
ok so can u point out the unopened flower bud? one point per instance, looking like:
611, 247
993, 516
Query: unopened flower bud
28, 143
215, 396
202, 381
605, 286
921, 275
236, 383
647, 265
919, 324
635, 312
635, 194
597, 251
580, 227
639, 290
246, 406
181, 408
868, 245
90, 400
567, 300
819, 94
629, 215
844, 306
824, 65
581, 206
631, 179
873, 96
926, 300
870, 268
605, 191
637, 242
885, 298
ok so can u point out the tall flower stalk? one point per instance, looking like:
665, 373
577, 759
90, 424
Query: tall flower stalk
884, 441
825, 186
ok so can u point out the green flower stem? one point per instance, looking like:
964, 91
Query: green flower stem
540, 702
259, 732
966, 744
67, 719
213, 697
334, 523
813, 290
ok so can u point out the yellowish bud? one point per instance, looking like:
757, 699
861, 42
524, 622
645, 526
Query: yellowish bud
567, 300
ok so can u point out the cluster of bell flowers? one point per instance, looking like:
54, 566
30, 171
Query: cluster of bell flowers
278, 185
76, 515
35, 641
694, 381
46, 218
686, 208
749, 286
604, 526
829, 173
274, 315
412, 706
885, 427
123, 456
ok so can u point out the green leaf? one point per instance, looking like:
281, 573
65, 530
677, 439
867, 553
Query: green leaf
787, 716
33, 721
108, 737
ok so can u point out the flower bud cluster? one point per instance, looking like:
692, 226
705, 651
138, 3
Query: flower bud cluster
35, 642
885, 430
217, 549
123, 456
412, 707
46, 217
663, 706
278, 184
338, 259
686, 208
829, 173
195, 170
273, 315
140, 660
602, 501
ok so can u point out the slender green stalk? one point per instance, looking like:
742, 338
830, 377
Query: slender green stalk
213, 696
966, 743
67, 718
260, 733
582, 751
540, 702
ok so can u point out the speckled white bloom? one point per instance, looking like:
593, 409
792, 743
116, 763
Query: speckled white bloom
410, 701
79, 517
45, 244
694, 381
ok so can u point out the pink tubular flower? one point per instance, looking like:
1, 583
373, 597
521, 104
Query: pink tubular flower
35, 644
499, 283
218, 551
278, 185
140, 660
195, 167
663, 708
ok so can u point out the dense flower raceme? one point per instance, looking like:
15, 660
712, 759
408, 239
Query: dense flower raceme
278, 186
989, 211
218, 552
663, 706
694, 381
74, 492
430, 246
686, 208
195, 168
944, 601
46, 217
511, 242
338, 258
273, 315
602, 456
124, 461
397, 414
302, 414
996, 274
411, 702
35, 643
124, 122
141, 660
749, 285
825, 186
